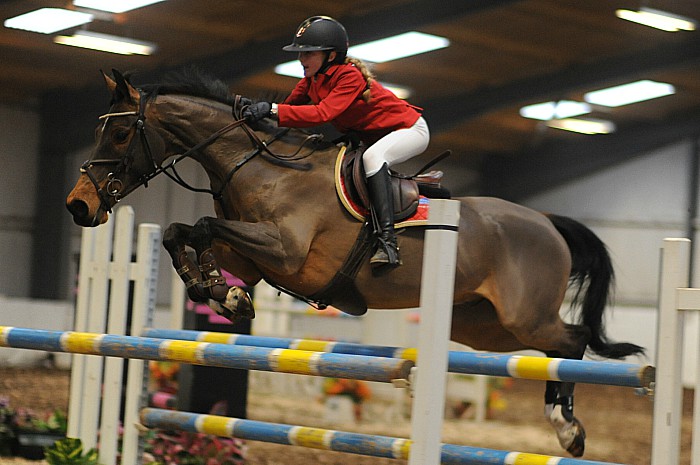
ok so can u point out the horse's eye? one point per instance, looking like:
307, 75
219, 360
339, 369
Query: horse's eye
119, 136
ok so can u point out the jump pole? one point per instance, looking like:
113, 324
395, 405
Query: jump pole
463, 362
339, 441
436, 297
303, 362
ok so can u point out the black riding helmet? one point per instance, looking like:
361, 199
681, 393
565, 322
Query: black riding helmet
320, 33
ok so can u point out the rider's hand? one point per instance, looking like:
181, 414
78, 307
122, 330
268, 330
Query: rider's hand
257, 111
240, 105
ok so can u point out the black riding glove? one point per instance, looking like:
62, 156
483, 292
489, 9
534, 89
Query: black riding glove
240, 105
257, 111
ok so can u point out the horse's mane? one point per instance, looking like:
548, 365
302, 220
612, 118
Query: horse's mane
194, 82
190, 81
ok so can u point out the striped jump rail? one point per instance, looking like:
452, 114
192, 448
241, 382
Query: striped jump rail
305, 362
339, 441
475, 363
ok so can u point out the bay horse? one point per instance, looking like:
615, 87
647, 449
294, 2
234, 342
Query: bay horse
279, 218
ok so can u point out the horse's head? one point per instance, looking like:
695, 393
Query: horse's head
122, 158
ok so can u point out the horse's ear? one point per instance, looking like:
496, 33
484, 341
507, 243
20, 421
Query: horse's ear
111, 83
122, 89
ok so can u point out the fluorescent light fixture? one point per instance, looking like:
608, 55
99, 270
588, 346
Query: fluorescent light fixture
555, 110
48, 20
629, 93
658, 19
106, 43
114, 6
399, 46
583, 125
291, 69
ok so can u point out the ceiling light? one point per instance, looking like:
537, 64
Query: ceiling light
658, 19
555, 110
399, 46
583, 125
106, 43
113, 6
48, 20
629, 93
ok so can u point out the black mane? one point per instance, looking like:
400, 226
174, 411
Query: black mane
192, 82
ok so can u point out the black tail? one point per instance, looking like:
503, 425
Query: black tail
593, 277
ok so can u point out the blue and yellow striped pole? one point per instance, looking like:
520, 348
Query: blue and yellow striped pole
477, 363
339, 441
204, 353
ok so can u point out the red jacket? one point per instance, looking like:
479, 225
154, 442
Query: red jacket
336, 96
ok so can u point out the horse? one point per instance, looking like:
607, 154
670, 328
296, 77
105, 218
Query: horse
279, 219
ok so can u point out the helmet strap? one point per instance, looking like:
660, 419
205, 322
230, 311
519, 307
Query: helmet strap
326, 62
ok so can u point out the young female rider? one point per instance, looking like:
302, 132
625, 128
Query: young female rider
342, 91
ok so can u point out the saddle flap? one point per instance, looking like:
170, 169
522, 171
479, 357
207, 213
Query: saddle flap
406, 194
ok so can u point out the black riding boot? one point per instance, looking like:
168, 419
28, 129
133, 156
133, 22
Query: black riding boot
381, 197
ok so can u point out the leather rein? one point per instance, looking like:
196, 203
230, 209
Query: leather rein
114, 186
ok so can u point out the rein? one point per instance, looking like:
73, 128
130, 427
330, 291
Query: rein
114, 185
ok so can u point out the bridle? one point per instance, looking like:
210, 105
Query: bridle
114, 187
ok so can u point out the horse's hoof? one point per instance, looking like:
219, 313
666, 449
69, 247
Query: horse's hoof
237, 306
571, 434
578, 444
240, 303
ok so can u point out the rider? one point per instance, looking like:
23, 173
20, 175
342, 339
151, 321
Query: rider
341, 90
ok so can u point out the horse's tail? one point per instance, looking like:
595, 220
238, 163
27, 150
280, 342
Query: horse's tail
592, 276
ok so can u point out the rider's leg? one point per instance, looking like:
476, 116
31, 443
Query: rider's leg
395, 147
381, 196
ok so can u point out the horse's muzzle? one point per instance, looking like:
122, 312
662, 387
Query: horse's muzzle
81, 213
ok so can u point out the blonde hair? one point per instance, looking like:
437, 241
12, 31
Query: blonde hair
366, 73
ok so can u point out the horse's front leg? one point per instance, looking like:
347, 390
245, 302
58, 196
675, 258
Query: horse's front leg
559, 411
175, 240
257, 244
203, 287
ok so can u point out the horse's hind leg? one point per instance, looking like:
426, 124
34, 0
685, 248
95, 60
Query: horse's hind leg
175, 239
559, 405
545, 331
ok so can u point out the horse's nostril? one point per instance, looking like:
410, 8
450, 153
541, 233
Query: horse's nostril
78, 209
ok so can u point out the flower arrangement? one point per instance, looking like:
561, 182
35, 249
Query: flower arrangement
185, 448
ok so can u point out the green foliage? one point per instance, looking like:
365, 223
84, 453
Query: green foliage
69, 451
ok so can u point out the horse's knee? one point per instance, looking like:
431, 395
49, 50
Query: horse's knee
200, 235
175, 236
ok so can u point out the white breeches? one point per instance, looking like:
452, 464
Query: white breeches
396, 147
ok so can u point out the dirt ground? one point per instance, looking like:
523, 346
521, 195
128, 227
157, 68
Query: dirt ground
617, 421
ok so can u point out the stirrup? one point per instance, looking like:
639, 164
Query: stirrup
387, 254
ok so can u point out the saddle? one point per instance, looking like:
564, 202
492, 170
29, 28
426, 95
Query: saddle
407, 189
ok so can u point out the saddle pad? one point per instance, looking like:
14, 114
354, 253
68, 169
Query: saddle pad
419, 218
